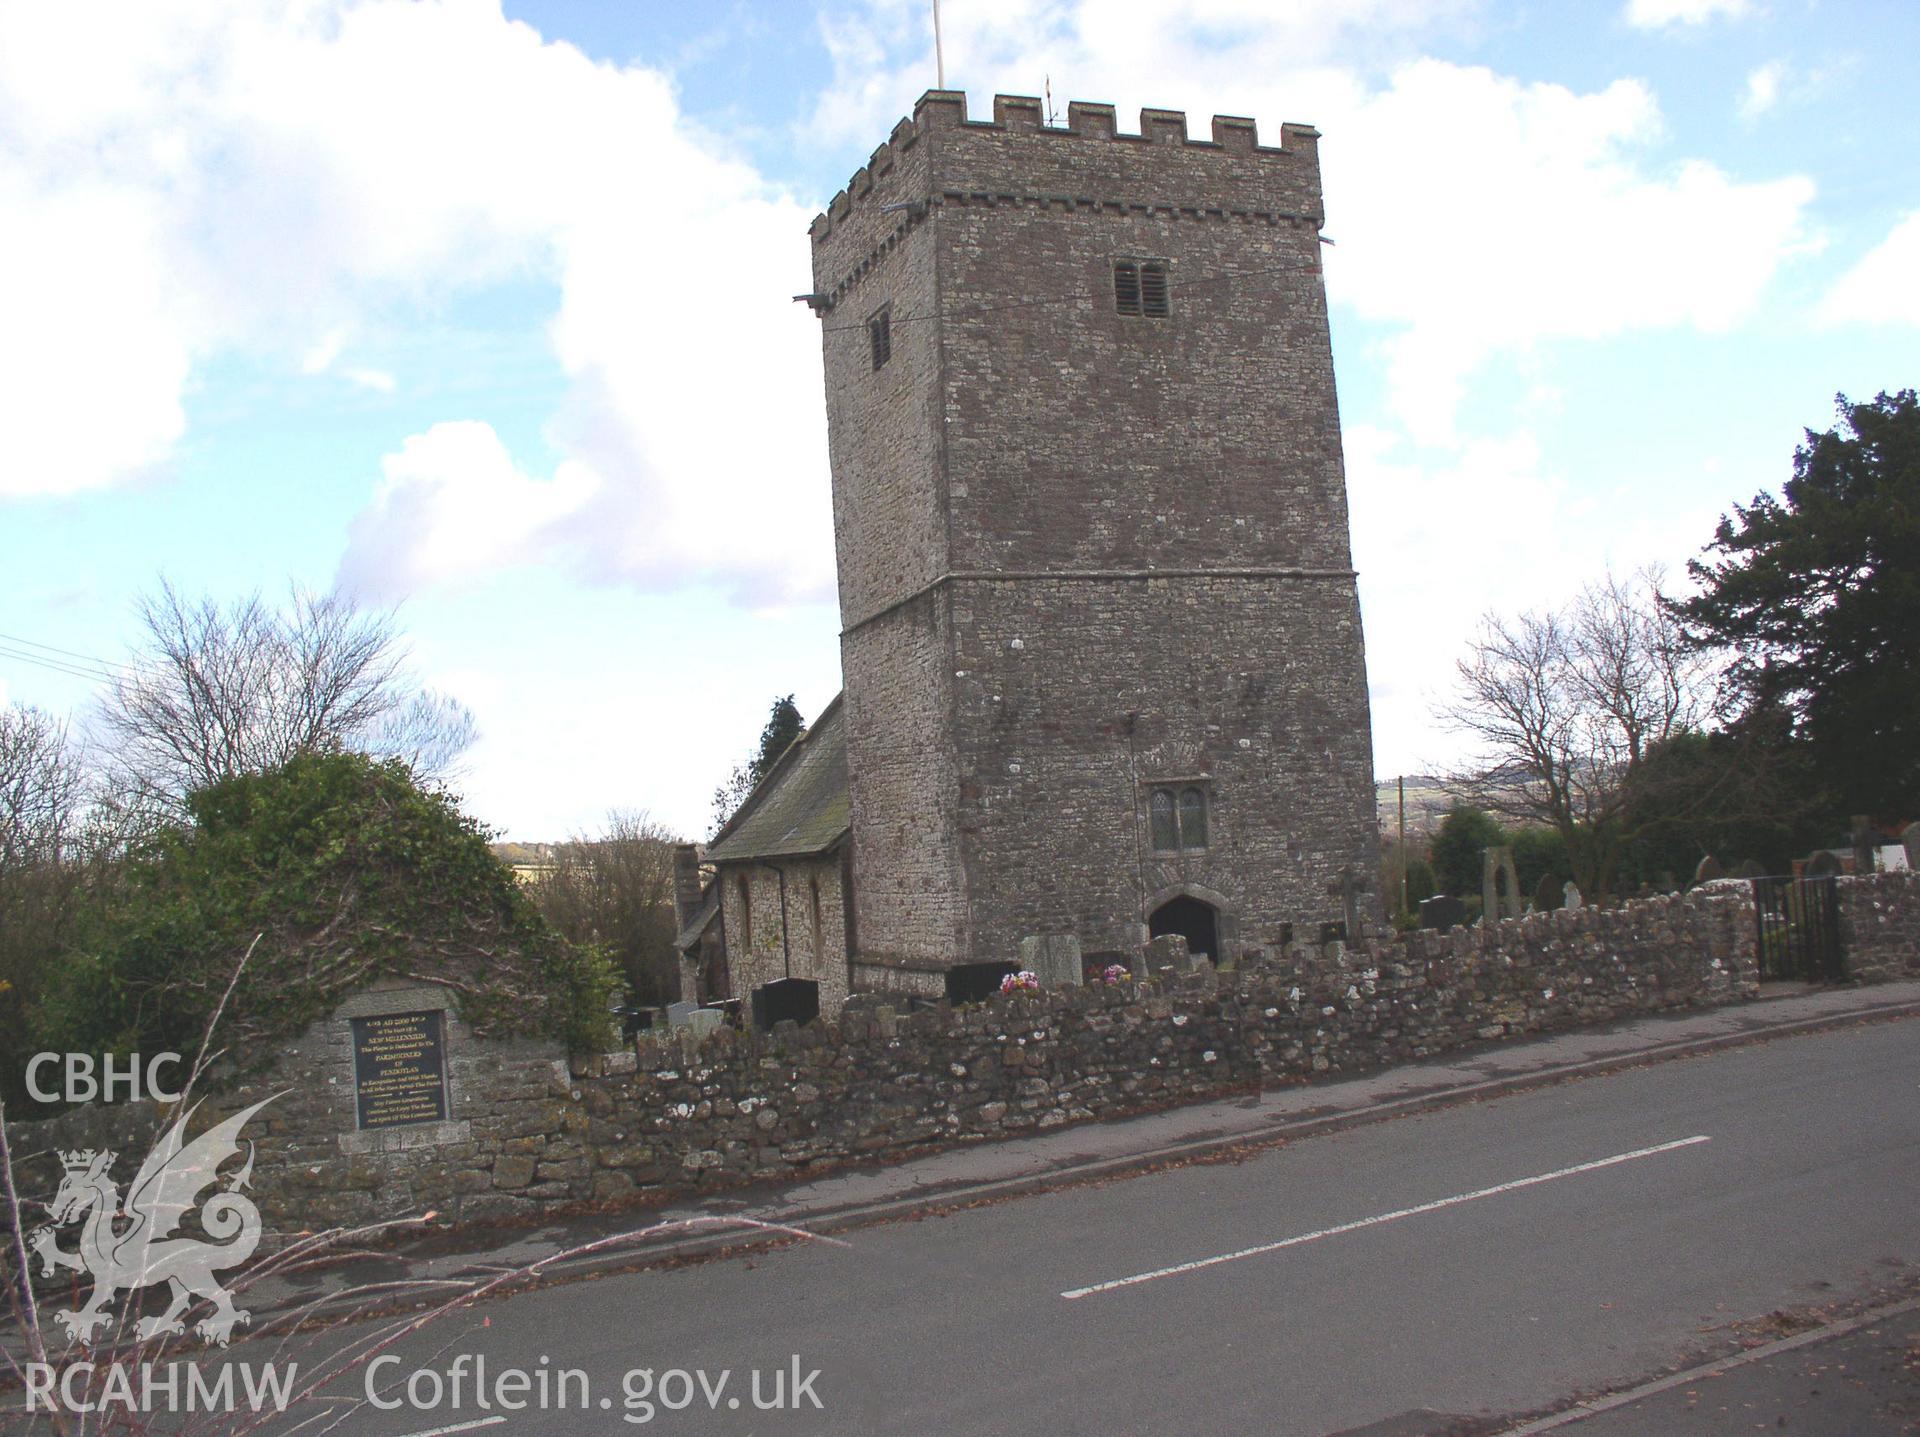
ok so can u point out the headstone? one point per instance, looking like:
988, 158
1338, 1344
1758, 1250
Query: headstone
1750, 869
1442, 912
1349, 886
1168, 953
1546, 894
1570, 895
1910, 840
1823, 864
1053, 958
1499, 885
1893, 859
1708, 870
678, 1013
1862, 837
702, 1021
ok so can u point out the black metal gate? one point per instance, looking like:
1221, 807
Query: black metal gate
1798, 923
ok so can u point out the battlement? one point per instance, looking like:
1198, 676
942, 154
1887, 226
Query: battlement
944, 112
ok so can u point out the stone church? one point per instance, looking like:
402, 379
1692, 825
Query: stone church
1101, 644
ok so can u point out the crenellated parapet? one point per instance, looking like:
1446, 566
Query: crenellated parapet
1291, 168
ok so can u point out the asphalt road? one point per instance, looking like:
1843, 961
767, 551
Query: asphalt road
1484, 1260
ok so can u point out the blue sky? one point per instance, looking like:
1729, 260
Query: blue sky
486, 314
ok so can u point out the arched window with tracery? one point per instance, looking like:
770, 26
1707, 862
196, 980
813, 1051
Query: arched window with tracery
1193, 818
1164, 822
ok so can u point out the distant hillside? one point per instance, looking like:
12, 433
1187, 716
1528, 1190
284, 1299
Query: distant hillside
1427, 804
524, 855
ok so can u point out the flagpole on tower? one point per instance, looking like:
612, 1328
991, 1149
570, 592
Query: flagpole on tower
939, 54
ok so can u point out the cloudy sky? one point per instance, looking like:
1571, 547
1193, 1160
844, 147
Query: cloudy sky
484, 312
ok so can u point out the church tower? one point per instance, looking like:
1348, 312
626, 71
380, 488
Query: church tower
1100, 631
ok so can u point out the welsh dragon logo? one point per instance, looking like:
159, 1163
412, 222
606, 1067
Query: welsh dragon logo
133, 1247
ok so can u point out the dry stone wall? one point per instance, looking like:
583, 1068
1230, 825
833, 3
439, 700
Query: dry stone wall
528, 1133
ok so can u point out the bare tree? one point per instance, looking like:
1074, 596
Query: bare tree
217, 691
43, 836
617, 890
40, 789
1567, 709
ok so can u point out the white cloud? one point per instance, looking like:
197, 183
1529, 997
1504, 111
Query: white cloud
1417, 515
375, 379
94, 348
320, 358
248, 176
453, 507
1476, 216
1763, 89
1884, 287
1656, 14
1547, 226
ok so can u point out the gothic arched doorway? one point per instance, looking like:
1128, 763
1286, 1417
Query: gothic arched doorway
1192, 919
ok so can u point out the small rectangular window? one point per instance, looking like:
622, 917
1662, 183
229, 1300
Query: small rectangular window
880, 332
1141, 287
1177, 819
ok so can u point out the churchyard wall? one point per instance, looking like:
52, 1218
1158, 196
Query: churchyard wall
528, 1132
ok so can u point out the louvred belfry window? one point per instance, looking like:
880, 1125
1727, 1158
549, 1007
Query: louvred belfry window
1153, 290
1140, 288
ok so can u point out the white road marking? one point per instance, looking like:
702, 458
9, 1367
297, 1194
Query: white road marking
457, 1427
1178, 1268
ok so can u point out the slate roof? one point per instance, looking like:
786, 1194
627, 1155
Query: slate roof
801, 806
701, 920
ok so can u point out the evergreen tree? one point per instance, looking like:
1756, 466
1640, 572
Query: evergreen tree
782, 728
1817, 595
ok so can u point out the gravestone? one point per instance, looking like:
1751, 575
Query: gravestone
1823, 865
702, 1021
1570, 895
1862, 836
1348, 887
1893, 858
1708, 870
1167, 954
1750, 869
1911, 841
1546, 894
1053, 958
678, 1013
1499, 885
1442, 912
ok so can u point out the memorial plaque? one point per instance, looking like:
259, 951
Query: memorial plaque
399, 1070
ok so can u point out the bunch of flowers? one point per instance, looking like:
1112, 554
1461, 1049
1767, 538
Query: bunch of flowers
1025, 981
1115, 973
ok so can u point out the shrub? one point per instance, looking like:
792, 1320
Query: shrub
349, 871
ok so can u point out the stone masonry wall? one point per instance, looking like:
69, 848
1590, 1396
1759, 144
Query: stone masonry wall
807, 940
529, 1133
1880, 925
1082, 552
1067, 723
